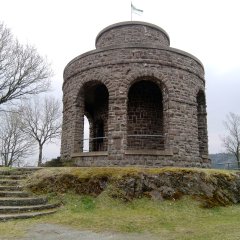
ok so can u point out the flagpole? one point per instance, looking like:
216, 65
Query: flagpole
131, 11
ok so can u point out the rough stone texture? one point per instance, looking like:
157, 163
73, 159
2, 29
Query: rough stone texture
211, 187
125, 34
145, 117
212, 190
135, 84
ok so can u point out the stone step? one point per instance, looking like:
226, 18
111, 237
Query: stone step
19, 171
10, 188
5, 217
11, 172
10, 201
17, 209
14, 177
13, 194
10, 182
7, 172
28, 169
17, 204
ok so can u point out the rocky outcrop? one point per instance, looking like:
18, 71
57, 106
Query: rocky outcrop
211, 187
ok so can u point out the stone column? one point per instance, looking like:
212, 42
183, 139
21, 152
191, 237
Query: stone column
117, 128
77, 127
202, 132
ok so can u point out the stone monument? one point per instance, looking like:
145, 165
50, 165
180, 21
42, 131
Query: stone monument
145, 102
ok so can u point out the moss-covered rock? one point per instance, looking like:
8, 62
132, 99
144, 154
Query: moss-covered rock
211, 187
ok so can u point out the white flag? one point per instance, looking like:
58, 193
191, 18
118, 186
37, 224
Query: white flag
136, 10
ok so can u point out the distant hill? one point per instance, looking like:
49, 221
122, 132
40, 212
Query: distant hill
223, 161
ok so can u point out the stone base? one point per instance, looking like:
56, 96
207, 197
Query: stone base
146, 158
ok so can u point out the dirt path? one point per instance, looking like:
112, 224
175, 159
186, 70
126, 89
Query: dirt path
58, 232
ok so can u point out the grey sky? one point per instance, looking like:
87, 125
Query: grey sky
208, 29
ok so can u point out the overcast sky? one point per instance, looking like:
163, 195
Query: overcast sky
208, 29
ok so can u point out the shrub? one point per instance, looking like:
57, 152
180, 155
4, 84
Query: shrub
55, 162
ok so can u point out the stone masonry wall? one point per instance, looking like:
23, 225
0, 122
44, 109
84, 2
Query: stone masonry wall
124, 34
145, 116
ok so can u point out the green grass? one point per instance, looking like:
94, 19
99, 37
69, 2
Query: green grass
182, 219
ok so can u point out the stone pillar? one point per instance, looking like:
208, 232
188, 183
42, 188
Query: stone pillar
117, 128
202, 125
202, 132
78, 125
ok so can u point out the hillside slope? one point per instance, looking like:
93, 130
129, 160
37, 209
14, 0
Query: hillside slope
211, 187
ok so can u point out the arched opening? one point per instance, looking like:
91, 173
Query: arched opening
202, 123
145, 116
96, 108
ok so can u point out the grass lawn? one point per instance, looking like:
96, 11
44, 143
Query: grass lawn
182, 219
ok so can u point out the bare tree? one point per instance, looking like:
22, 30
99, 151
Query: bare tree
23, 72
42, 121
231, 142
14, 143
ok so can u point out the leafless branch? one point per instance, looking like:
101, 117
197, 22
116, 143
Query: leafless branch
231, 141
15, 145
23, 72
42, 121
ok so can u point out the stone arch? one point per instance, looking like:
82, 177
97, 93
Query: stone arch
154, 76
145, 117
92, 101
202, 122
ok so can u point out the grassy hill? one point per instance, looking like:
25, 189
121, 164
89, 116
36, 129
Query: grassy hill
126, 200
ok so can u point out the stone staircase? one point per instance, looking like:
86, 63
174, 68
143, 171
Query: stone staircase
15, 203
